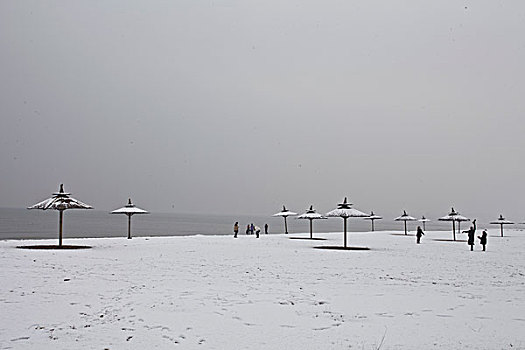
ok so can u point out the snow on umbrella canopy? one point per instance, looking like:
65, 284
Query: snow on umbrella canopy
405, 217
130, 209
424, 220
60, 201
501, 221
345, 211
285, 213
454, 217
459, 220
373, 217
311, 215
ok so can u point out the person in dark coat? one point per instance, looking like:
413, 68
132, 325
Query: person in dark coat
265, 229
483, 239
252, 228
248, 229
235, 229
419, 233
257, 231
471, 232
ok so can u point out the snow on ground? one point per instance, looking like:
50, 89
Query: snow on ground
216, 292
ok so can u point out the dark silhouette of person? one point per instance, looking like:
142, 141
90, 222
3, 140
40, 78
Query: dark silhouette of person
471, 232
248, 229
419, 233
257, 231
483, 239
235, 229
265, 229
252, 228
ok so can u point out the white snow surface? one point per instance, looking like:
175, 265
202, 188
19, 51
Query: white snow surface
217, 292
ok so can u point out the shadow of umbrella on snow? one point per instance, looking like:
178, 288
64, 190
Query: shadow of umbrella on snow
502, 221
344, 210
285, 213
311, 215
454, 217
405, 217
424, 220
373, 217
60, 201
130, 209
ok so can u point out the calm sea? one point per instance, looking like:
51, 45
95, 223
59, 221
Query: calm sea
36, 224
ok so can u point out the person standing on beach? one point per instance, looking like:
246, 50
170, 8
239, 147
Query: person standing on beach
419, 233
252, 228
483, 239
248, 229
235, 229
265, 229
471, 232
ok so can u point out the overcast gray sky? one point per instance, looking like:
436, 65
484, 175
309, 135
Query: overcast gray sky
240, 106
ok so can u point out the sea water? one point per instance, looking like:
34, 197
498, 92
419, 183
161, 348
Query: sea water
39, 224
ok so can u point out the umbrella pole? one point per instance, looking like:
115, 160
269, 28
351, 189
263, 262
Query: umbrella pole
424, 229
454, 228
311, 235
285, 226
372, 224
129, 226
60, 220
345, 230
501, 230
405, 227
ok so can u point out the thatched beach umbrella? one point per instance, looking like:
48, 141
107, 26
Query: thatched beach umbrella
454, 217
311, 215
502, 221
424, 220
285, 213
459, 220
405, 217
60, 201
130, 209
373, 217
345, 211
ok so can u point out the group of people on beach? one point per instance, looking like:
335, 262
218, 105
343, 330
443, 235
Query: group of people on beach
250, 229
471, 234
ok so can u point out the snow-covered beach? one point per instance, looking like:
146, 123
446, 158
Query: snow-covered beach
217, 292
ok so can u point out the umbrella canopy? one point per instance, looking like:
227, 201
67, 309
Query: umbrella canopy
424, 220
459, 220
502, 221
405, 217
454, 217
285, 213
60, 201
130, 209
345, 211
311, 215
373, 217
